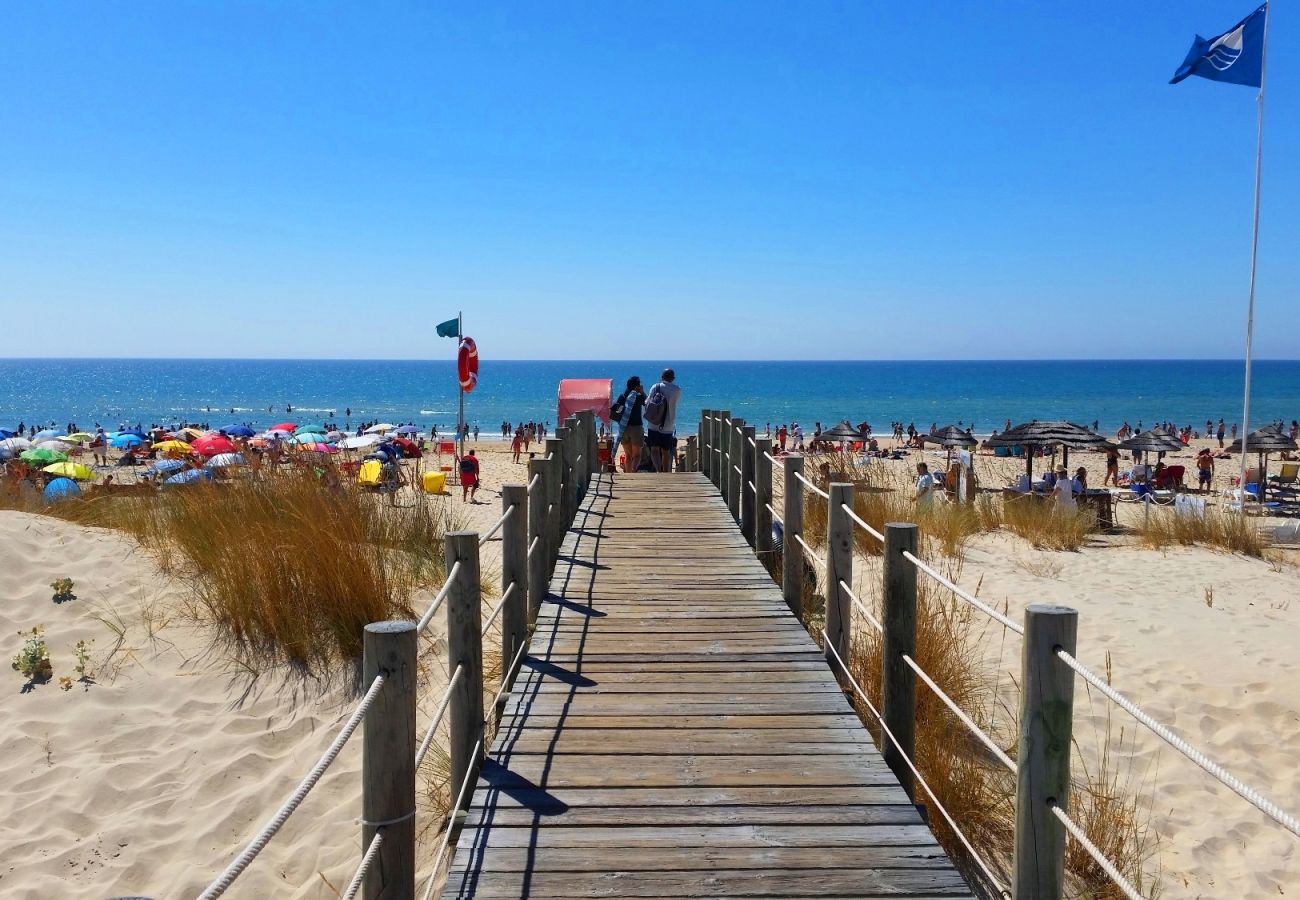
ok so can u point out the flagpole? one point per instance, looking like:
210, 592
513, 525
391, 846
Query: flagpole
1254, 255
460, 417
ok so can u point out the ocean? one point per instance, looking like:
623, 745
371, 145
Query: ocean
980, 393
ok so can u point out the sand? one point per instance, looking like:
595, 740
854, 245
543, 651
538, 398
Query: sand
150, 779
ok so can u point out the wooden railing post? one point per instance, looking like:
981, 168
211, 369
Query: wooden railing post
1043, 760
514, 571
763, 500
706, 463
388, 757
464, 648
692, 453
734, 485
577, 450
897, 680
791, 551
566, 473
839, 568
554, 515
587, 418
722, 454
537, 558
747, 493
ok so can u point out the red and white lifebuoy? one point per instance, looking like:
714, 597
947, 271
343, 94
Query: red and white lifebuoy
467, 364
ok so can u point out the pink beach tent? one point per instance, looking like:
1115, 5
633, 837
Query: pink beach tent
578, 394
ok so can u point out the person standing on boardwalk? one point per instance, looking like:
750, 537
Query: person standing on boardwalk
627, 411
661, 419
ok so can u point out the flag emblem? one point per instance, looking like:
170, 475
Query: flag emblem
1236, 56
1226, 50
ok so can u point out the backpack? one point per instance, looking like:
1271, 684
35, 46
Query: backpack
466, 466
656, 407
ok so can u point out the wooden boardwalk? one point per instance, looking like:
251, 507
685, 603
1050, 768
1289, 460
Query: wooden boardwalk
675, 732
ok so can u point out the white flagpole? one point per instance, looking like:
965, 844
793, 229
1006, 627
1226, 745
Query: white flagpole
1254, 255
460, 417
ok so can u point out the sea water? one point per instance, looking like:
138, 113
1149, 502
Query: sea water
983, 394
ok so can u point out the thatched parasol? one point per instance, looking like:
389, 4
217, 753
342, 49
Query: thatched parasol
1049, 434
1156, 440
841, 432
1263, 441
951, 436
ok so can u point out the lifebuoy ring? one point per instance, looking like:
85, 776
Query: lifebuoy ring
467, 364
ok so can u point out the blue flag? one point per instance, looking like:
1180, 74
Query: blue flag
1236, 56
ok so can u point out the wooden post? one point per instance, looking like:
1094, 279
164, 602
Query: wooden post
514, 571
537, 558
566, 474
839, 567
705, 417
763, 500
464, 648
747, 494
587, 418
734, 485
388, 758
554, 515
577, 448
791, 551
897, 680
1043, 761
692, 454
722, 455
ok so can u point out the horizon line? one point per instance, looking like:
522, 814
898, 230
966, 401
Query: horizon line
661, 360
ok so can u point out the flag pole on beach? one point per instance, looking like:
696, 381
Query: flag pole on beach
1240, 56
460, 416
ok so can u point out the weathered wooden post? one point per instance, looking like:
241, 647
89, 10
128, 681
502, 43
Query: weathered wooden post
706, 416
537, 555
692, 454
566, 474
388, 758
722, 453
763, 500
897, 680
734, 484
555, 524
514, 577
839, 568
588, 420
464, 649
748, 486
1043, 760
791, 551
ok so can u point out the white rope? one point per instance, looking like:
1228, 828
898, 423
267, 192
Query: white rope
811, 552
514, 662
533, 546
440, 599
446, 834
536, 479
865, 527
500, 606
1249, 794
1120, 881
988, 873
498, 526
737, 468
961, 714
973, 601
862, 607
812, 487
752, 488
437, 717
770, 458
227, 878
752, 442
775, 517
371, 852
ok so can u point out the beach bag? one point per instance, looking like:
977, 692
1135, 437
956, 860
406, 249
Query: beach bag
656, 408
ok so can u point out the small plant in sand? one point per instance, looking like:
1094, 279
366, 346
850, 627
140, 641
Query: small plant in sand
62, 588
33, 661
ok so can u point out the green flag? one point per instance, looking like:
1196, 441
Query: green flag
449, 328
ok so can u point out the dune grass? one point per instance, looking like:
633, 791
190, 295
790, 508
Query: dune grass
1223, 529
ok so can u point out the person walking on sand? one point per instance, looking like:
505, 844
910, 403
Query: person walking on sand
627, 411
469, 477
924, 495
517, 444
1205, 469
661, 418
1112, 467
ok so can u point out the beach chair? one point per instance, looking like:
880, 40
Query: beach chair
1170, 478
447, 447
1288, 479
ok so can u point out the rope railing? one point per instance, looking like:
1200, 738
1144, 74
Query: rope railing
862, 607
752, 443
1247, 793
992, 613
446, 833
957, 711
952, 823
810, 551
263, 837
812, 487
500, 523
447, 585
854, 517
751, 487
501, 604
772, 459
519, 654
437, 717
359, 878
1091, 849
775, 518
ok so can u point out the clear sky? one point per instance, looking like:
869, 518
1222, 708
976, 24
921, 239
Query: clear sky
670, 179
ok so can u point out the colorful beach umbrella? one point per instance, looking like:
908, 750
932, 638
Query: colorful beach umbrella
407, 429
164, 466
61, 489
80, 437
318, 448
45, 434
381, 428
42, 457
6, 433
59, 446
70, 470
15, 444
189, 476
309, 437
356, 443
213, 444
173, 446
224, 460
242, 431
288, 427
126, 441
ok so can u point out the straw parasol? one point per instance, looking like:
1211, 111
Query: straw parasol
1049, 434
949, 437
1263, 441
841, 432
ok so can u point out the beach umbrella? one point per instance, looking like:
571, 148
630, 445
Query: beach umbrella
70, 470
407, 429
949, 437
308, 437
222, 460
356, 443
61, 489
45, 434
15, 444
1155, 440
173, 446
59, 446
5, 433
213, 444
135, 431
334, 435
242, 431
381, 428
1263, 442
79, 437
165, 466
126, 441
286, 427
1049, 434
841, 432
188, 434
42, 457
318, 448
189, 476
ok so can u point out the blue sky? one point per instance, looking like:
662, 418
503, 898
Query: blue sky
680, 180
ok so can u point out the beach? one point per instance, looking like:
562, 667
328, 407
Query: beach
150, 778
